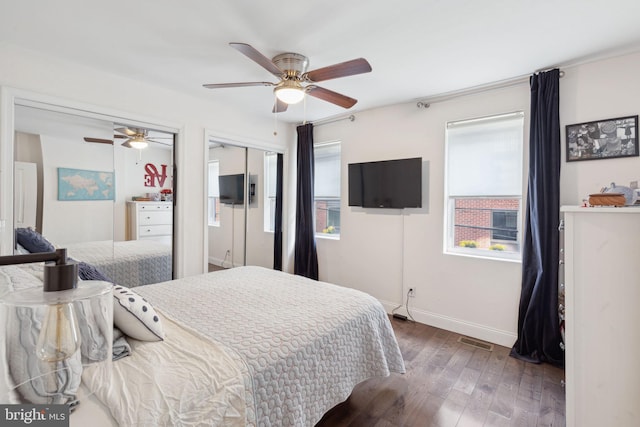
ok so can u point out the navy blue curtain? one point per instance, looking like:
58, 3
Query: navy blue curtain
277, 232
305, 258
539, 335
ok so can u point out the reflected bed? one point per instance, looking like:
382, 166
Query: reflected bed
128, 263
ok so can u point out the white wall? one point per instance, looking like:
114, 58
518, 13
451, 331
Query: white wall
600, 90
475, 296
259, 242
229, 235
74, 221
27, 70
386, 251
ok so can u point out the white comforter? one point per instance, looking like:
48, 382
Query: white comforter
184, 381
299, 346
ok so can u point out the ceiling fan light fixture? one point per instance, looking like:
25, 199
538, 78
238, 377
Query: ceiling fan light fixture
138, 142
289, 92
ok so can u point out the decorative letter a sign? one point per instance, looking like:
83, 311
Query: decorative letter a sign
152, 174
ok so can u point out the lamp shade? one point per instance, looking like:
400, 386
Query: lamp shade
138, 142
289, 92
52, 339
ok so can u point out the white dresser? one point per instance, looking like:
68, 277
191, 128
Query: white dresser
150, 220
602, 316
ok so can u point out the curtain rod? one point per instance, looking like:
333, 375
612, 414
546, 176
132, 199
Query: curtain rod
351, 118
426, 102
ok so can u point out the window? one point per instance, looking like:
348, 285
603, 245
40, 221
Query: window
214, 194
327, 189
270, 178
504, 225
484, 186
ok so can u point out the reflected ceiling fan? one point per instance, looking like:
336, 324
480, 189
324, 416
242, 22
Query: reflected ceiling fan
291, 69
135, 138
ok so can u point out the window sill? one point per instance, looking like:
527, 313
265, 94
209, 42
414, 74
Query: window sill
473, 253
327, 236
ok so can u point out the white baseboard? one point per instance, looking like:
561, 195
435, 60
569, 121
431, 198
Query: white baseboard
215, 261
218, 262
463, 327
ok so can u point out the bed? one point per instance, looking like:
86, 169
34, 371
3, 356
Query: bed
245, 346
129, 263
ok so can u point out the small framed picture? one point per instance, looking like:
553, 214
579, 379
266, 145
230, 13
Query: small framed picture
603, 139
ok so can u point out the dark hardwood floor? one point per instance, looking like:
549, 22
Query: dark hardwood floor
213, 267
450, 384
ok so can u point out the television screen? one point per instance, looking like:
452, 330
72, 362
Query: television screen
392, 184
231, 189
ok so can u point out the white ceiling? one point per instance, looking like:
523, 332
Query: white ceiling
417, 48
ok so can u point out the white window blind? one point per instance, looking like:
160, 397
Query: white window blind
485, 156
214, 189
327, 170
327, 189
483, 187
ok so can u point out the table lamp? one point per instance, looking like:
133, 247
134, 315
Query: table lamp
53, 333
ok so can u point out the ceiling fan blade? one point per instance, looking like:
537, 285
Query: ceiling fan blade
127, 143
120, 136
223, 85
279, 106
251, 53
331, 96
344, 69
99, 140
126, 131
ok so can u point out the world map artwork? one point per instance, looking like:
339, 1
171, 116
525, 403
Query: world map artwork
78, 184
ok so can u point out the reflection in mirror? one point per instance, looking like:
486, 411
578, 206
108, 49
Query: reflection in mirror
241, 234
226, 216
75, 184
261, 210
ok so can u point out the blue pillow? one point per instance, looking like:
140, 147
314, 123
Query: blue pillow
33, 241
90, 272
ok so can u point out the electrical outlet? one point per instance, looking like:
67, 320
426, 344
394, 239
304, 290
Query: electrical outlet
412, 292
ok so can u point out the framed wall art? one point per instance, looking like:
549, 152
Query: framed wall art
79, 184
602, 139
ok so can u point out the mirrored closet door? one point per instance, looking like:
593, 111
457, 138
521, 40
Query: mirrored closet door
241, 206
101, 189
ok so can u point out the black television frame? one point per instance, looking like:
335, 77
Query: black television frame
399, 169
234, 184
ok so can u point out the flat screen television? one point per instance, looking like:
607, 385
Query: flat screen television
231, 189
394, 184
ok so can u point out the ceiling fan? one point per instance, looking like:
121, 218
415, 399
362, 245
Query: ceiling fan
135, 138
291, 69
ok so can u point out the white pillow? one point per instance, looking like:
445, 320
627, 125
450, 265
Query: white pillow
134, 316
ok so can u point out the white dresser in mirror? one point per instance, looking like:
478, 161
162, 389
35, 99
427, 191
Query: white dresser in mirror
150, 220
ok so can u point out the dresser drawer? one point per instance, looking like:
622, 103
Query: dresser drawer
155, 207
150, 217
155, 230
